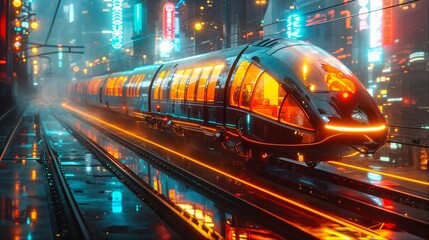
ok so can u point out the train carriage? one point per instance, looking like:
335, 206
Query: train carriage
272, 98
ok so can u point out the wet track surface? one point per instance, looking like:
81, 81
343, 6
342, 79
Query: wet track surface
109, 208
113, 211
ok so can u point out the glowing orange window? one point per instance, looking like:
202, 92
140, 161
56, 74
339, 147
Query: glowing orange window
164, 84
190, 91
157, 84
130, 86
212, 82
96, 86
236, 83
267, 97
119, 85
202, 83
175, 84
109, 86
249, 82
89, 90
182, 85
138, 83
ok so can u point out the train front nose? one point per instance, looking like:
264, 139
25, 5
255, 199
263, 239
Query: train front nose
351, 121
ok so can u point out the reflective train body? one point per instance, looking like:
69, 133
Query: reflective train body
272, 98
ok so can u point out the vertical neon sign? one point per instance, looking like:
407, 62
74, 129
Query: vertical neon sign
293, 26
117, 24
168, 19
363, 15
375, 52
375, 18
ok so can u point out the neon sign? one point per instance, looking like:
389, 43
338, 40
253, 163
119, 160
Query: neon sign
375, 26
168, 21
363, 15
117, 24
293, 26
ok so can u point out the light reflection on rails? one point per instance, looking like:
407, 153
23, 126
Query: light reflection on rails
369, 233
379, 172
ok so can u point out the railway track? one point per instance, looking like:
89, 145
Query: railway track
318, 183
279, 226
263, 202
70, 197
257, 192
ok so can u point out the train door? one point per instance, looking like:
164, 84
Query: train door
190, 103
181, 94
202, 93
100, 95
158, 90
210, 117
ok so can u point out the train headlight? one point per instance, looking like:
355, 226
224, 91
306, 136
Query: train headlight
359, 116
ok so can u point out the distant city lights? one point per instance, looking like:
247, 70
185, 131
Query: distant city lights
417, 56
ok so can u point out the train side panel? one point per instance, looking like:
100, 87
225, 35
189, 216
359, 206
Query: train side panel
137, 89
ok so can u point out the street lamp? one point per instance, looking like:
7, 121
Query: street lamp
17, 3
197, 27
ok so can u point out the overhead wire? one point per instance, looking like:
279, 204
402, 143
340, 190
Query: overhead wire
335, 19
53, 21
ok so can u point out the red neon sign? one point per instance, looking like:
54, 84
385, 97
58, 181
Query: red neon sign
168, 21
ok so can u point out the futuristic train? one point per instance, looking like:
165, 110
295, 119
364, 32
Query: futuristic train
272, 98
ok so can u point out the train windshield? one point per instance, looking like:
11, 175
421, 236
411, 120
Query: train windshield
317, 69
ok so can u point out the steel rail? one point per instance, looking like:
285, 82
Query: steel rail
414, 226
268, 218
6, 147
7, 112
180, 220
276, 223
76, 223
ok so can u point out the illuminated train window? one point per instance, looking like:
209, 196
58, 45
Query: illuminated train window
291, 113
212, 82
202, 83
80, 87
182, 85
109, 86
267, 97
133, 86
130, 85
93, 86
157, 94
252, 74
317, 70
164, 84
236, 83
89, 90
195, 84
190, 91
135, 91
175, 84
118, 88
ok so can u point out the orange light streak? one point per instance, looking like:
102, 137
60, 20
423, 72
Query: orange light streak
261, 189
381, 173
352, 154
356, 129
335, 235
186, 123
